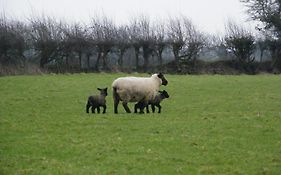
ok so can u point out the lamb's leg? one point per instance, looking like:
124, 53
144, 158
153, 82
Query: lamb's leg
125, 105
159, 108
88, 107
153, 108
104, 109
142, 106
98, 109
147, 108
93, 109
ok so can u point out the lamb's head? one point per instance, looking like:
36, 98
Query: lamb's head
164, 94
103, 91
163, 79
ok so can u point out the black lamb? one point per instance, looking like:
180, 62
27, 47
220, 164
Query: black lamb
154, 102
97, 101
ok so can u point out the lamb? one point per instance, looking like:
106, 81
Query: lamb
154, 102
136, 89
97, 101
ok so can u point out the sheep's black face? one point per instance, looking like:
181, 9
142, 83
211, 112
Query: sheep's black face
164, 81
103, 91
164, 94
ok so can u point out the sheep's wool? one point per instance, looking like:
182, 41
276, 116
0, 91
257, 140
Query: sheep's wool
134, 89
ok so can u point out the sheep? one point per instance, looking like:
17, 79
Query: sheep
135, 89
97, 101
154, 102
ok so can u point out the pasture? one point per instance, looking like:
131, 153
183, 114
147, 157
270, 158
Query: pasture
211, 124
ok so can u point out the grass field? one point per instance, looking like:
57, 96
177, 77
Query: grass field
209, 125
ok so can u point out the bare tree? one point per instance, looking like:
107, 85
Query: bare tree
146, 41
135, 39
194, 40
160, 41
46, 36
176, 37
75, 40
103, 33
240, 42
122, 42
186, 40
269, 13
13, 41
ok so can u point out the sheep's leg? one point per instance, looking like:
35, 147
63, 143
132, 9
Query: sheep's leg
136, 108
153, 108
104, 109
159, 108
127, 109
116, 102
98, 109
93, 109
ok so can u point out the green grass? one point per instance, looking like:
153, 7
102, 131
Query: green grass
209, 125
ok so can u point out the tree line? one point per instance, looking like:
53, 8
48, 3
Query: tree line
48, 42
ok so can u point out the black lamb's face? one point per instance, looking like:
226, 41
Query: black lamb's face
164, 81
103, 91
164, 94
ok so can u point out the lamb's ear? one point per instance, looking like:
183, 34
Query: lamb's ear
99, 89
161, 91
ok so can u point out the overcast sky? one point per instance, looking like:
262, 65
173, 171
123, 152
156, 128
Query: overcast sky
209, 15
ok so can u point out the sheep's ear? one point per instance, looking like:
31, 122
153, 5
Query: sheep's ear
105, 89
160, 75
99, 89
161, 91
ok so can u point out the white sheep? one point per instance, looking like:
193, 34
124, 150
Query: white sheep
136, 89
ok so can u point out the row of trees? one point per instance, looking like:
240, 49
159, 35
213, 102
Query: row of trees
54, 41
46, 41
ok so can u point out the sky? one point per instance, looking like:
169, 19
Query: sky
208, 15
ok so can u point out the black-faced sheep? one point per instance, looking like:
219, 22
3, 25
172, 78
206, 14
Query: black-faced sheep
135, 89
154, 102
97, 101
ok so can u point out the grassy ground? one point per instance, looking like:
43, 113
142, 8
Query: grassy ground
210, 125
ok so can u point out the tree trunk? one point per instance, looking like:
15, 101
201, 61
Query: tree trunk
43, 60
160, 58
146, 54
88, 61
137, 50
80, 60
67, 61
176, 55
120, 60
98, 61
104, 65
